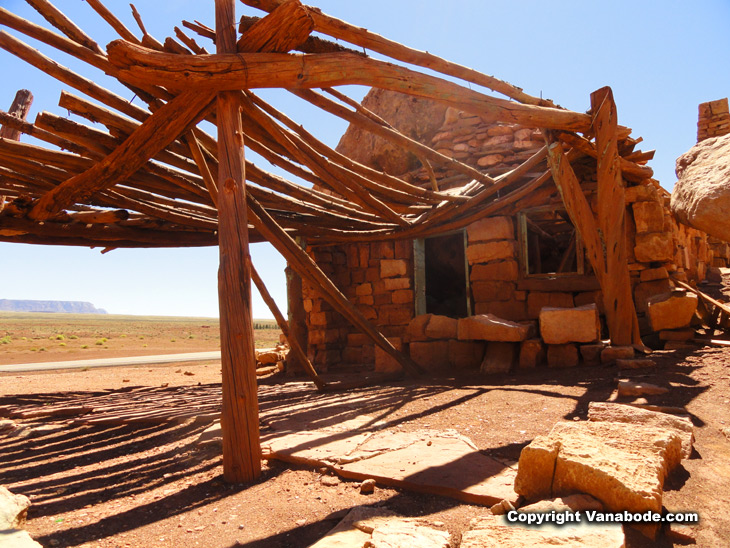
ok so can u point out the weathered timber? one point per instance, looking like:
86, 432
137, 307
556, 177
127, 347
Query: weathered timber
296, 314
308, 269
239, 418
115, 23
366, 39
19, 110
577, 207
59, 20
153, 135
290, 15
296, 349
623, 325
141, 65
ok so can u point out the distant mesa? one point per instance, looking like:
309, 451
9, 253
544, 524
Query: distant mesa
66, 307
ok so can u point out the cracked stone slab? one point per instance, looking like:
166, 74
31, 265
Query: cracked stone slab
437, 462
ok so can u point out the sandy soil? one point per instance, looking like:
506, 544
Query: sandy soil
149, 486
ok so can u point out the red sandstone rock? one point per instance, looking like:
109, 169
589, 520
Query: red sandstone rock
487, 327
564, 325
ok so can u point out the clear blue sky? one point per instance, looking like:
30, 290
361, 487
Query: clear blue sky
662, 58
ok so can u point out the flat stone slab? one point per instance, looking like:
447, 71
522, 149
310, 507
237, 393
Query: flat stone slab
381, 528
490, 531
437, 462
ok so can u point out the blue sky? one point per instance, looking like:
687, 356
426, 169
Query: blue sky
662, 58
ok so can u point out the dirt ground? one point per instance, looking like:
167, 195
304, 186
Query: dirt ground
153, 486
36, 337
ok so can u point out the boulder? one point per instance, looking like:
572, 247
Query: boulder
635, 363
701, 197
407, 534
416, 330
612, 353
565, 325
499, 357
562, 355
616, 412
488, 327
489, 531
571, 503
672, 310
13, 509
631, 388
419, 119
622, 465
591, 353
441, 327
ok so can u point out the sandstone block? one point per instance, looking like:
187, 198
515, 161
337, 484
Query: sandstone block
384, 362
499, 357
502, 270
654, 246
537, 300
491, 228
416, 330
564, 325
431, 355
441, 327
394, 284
616, 412
648, 216
613, 353
641, 193
591, 353
636, 363
489, 531
631, 388
532, 354
622, 465
490, 251
466, 354
643, 291
671, 310
492, 291
651, 274
364, 289
487, 327
677, 334
509, 310
390, 268
562, 355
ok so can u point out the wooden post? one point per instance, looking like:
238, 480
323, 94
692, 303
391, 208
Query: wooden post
20, 107
239, 418
623, 325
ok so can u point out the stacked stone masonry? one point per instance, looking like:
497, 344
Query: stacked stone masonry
379, 277
714, 119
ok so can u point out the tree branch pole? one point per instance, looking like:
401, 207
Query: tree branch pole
239, 417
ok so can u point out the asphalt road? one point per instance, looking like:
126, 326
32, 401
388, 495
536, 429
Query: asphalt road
112, 362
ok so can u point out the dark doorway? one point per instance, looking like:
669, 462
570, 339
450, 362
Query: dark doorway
445, 276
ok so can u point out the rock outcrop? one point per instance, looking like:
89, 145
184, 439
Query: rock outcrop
419, 119
67, 307
701, 197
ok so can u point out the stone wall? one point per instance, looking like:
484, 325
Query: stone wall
714, 119
379, 277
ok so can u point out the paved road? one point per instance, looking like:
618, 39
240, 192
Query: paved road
111, 362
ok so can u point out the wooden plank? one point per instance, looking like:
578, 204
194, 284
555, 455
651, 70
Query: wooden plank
59, 20
623, 325
142, 66
296, 313
18, 109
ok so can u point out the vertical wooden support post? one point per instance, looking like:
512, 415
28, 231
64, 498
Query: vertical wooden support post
20, 107
240, 415
623, 325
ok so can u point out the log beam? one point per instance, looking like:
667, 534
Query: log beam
623, 325
19, 110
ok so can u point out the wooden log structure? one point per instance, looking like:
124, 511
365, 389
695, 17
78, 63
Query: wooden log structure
146, 174
19, 110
